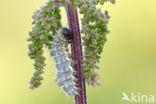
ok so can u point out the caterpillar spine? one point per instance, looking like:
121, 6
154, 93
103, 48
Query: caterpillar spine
65, 75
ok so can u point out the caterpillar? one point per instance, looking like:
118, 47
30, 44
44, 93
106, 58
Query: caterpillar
65, 74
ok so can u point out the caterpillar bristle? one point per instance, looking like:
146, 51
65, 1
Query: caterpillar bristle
65, 75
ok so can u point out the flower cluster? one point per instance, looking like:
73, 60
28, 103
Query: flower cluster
47, 20
94, 26
65, 75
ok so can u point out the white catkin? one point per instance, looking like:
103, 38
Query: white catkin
65, 75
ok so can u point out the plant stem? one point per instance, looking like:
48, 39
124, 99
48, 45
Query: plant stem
76, 49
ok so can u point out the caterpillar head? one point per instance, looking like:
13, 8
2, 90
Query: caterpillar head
67, 34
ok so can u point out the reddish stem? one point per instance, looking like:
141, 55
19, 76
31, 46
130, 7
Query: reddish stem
76, 48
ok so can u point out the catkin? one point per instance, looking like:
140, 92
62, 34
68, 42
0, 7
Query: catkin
65, 75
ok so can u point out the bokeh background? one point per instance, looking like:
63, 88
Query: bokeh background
128, 63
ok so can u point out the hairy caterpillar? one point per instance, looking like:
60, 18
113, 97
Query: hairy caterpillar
65, 78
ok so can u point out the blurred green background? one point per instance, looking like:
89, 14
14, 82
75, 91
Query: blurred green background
128, 62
